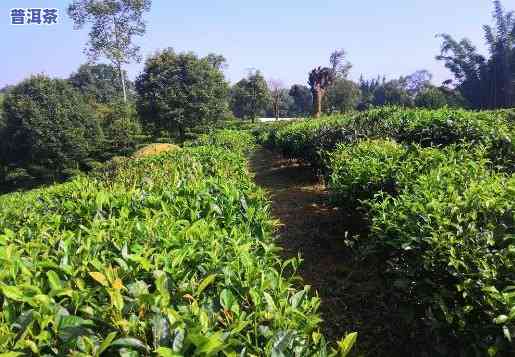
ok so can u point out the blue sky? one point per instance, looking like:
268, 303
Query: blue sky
282, 38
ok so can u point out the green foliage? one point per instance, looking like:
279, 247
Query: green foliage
233, 140
179, 91
342, 96
120, 126
250, 97
360, 170
308, 140
393, 92
100, 83
49, 128
302, 100
438, 189
449, 239
170, 255
431, 98
485, 82
114, 23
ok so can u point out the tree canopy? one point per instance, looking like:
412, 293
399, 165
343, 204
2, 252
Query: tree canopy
485, 82
99, 82
114, 23
177, 91
47, 125
250, 97
302, 100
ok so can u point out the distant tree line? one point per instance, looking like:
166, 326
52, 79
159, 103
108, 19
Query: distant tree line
50, 128
484, 82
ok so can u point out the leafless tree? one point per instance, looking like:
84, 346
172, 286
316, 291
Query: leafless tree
275, 86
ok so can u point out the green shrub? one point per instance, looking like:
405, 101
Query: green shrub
358, 171
361, 170
450, 243
170, 254
47, 125
233, 140
309, 140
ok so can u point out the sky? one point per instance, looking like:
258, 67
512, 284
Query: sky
284, 39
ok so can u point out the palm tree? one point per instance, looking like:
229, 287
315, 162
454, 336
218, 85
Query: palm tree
321, 78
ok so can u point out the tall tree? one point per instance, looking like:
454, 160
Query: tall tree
178, 91
321, 78
501, 44
250, 96
485, 82
48, 127
393, 92
417, 82
114, 23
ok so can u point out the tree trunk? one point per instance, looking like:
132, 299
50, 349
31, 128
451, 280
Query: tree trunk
123, 83
181, 133
317, 102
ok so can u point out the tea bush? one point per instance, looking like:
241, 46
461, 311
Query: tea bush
170, 255
310, 140
234, 140
361, 170
439, 189
450, 239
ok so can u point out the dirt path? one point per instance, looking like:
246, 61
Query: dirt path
352, 291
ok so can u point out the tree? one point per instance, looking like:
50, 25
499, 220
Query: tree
485, 82
321, 78
342, 96
393, 92
469, 69
285, 105
217, 61
276, 89
431, 98
120, 126
339, 65
250, 96
302, 100
48, 126
114, 23
501, 44
368, 89
98, 82
401, 91
417, 82
177, 91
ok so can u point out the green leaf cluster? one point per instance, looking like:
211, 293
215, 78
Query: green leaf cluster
170, 255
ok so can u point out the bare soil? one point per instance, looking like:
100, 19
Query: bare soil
352, 291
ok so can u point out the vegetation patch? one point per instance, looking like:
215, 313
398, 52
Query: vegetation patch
154, 149
438, 189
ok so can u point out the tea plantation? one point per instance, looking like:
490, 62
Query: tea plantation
174, 254
170, 255
438, 190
